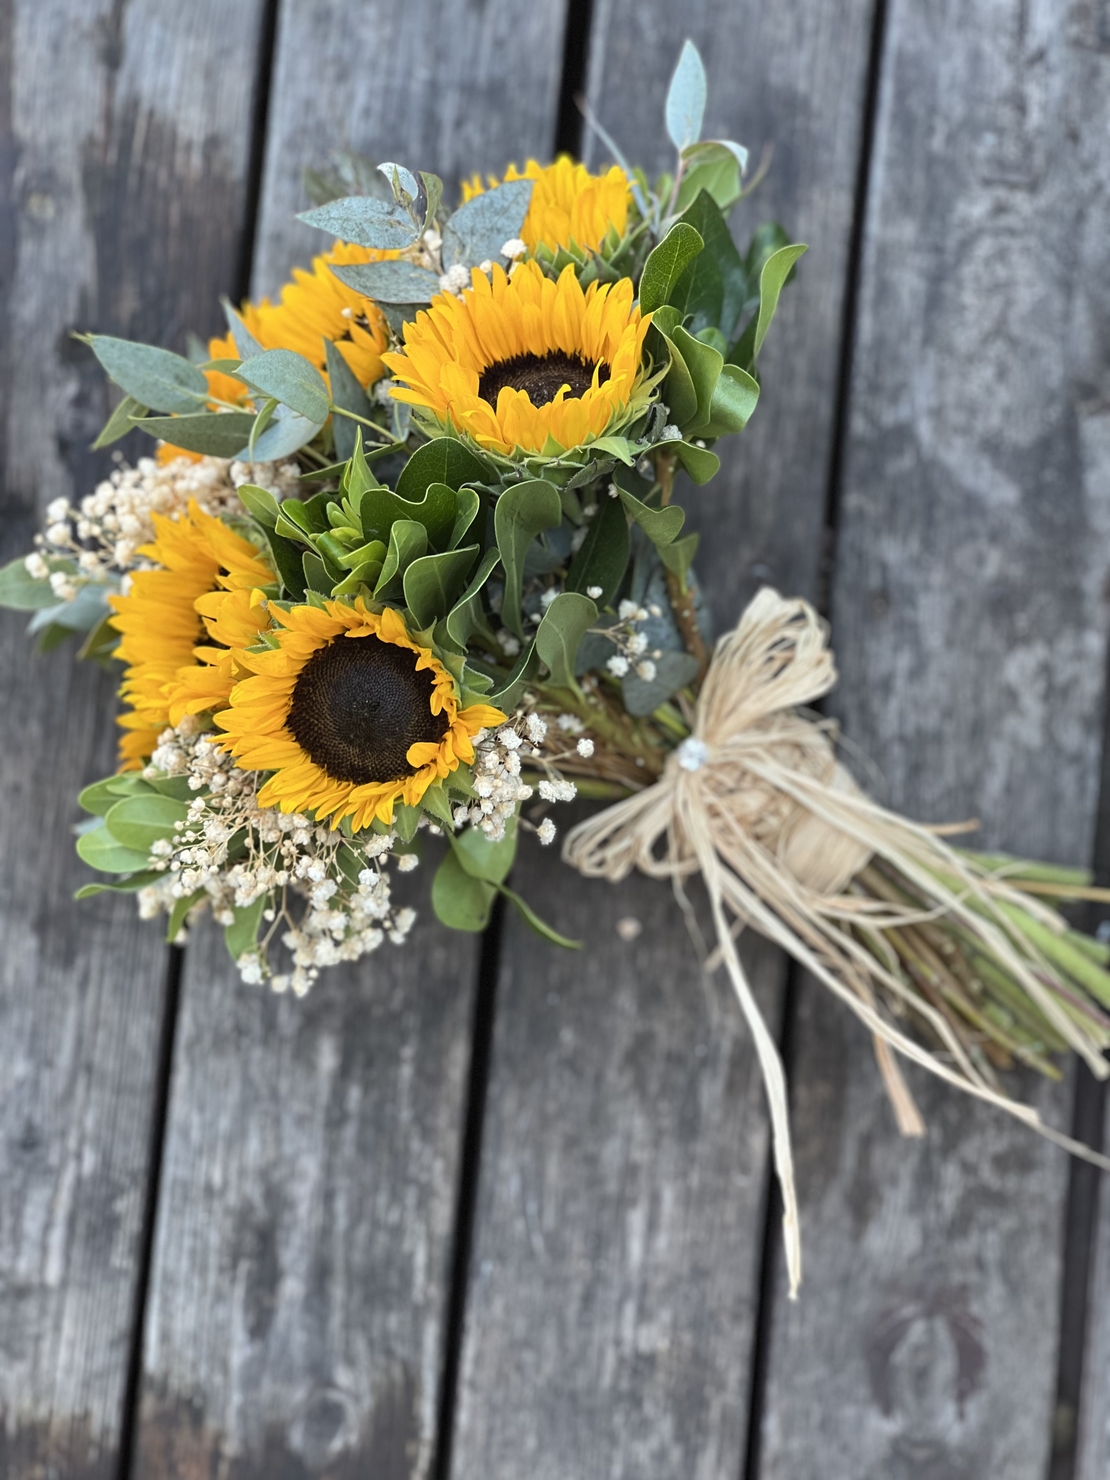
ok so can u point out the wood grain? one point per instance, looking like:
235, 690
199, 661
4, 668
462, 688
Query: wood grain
617, 1341
301, 1275
1093, 1454
304, 1232
452, 87
120, 205
970, 616
614, 1277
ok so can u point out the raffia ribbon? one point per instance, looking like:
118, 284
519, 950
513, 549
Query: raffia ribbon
757, 803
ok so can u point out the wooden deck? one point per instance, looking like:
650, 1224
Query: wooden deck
499, 1212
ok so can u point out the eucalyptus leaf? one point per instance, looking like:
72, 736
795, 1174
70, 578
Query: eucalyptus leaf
433, 583
287, 433
479, 229
23, 592
364, 220
714, 167
348, 395
244, 341
389, 282
461, 901
565, 623
215, 434
86, 611
673, 671
523, 511
666, 264
433, 193
119, 423
290, 379
101, 796
685, 107
406, 187
154, 377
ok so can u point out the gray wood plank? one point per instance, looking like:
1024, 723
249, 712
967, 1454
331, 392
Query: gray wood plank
970, 617
122, 164
615, 1270
304, 1233
1093, 1452
615, 1273
304, 1237
451, 87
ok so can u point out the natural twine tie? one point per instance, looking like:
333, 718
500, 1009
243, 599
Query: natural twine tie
757, 803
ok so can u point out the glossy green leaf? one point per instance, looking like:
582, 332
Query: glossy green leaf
677, 557
662, 526
121, 886
433, 583
407, 542
154, 377
714, 288
348, 395
215, 434
666, 264
603, 555
701, 464
316, 575
565, 623
461, 901
524, 670
287, 562
139, 821
444, 460
467, 504
101, 796
466, 616
685, 106
483, 859
772, 280
704, 364
261, 503
181, 908
380, 507
735, 397
522, 512
364, 220
711, 166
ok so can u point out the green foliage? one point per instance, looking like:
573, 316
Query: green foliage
673, 671
389, 282
138, 821
366, 221
539, 926
217, 435
408, 541
100, 849
433, 583
603, 556
153, 377
773, 277
565, 623
461, 900
467, 616
21, 591
685, 106
119, 423
290, 379
241, 935
485, 860
262, 504
521, 513
480, 228
666, 264
347, 395
443, 460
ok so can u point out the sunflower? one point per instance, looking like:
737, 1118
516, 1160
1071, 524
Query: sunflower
166, 615
569, 206
349, 713
525, 363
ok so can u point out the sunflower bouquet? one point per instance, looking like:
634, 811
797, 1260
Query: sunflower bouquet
406, 572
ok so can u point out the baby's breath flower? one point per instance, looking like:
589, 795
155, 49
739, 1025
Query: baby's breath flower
585, 748
617, 665
546, 831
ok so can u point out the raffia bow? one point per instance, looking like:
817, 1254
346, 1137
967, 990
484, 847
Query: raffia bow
757, 803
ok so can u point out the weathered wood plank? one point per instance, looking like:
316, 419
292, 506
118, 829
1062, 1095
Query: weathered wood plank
301, 1271
304, 1232
1093, 1452
453, 87
615, 1273
970, 616
122, 164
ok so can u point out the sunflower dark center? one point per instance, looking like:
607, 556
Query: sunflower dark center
542, 376
358, 705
